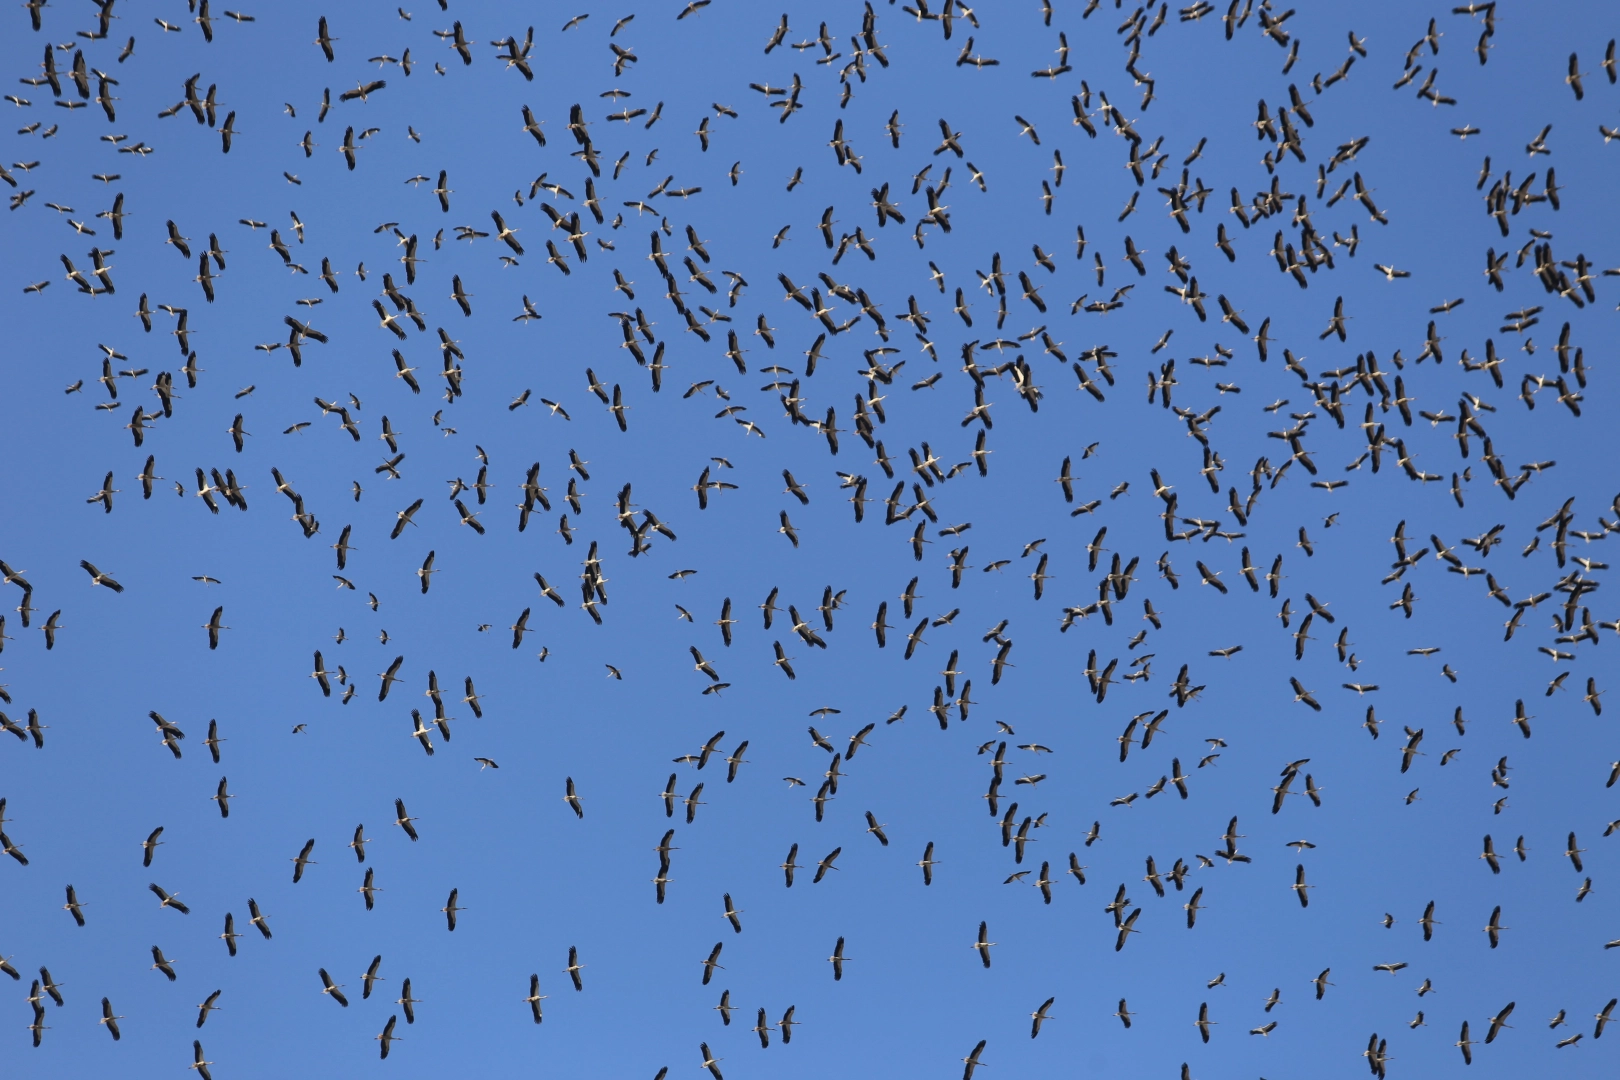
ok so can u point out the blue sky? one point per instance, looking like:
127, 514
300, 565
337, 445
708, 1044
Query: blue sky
535, 879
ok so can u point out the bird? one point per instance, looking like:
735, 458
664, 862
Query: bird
222, 797
1493, 929
837, 960
73, 906
168, 901
1040, 1016
1204, 1023
387, 1036
710, 1062
451, 909
198, 1062
404, 820
1299, 886
983, 943
150, 845
99, 578
973, 1061
927, 862
711, 965
214, 626
1498, 1022
333, 990
109, 1020
1603, 1018
535, 998
207, 1007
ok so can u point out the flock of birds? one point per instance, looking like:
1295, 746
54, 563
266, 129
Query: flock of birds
601, 226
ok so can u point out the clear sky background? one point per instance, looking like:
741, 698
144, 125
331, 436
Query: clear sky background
534, 879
